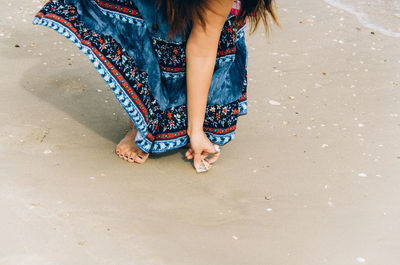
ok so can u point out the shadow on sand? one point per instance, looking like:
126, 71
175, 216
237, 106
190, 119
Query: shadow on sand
74, 87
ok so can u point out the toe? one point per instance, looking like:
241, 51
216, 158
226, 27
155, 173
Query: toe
139, 160
126, 156
141, 157
131, 157
119, 151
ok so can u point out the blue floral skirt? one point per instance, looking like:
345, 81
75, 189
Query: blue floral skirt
127, 41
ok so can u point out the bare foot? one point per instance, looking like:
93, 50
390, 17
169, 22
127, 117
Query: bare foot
128, 150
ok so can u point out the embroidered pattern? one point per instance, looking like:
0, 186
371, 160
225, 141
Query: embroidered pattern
171, 56
116, 5
159, 130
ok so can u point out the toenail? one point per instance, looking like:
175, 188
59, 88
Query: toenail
126, 156
140, 157
130, 158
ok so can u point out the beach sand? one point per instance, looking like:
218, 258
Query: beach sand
311, 178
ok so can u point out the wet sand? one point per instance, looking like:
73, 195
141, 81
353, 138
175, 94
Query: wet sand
311, 178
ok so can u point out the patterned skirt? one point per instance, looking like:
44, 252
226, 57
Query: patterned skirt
127, 41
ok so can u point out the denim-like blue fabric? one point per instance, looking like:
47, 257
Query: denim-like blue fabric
229, 73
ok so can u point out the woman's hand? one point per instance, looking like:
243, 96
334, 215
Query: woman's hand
201, 148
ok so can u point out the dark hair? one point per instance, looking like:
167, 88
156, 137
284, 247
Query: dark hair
181, 13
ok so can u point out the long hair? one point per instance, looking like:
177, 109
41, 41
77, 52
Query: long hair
181, 13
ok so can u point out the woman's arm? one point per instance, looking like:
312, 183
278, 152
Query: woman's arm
201, 52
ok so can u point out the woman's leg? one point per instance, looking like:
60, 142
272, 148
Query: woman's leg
127, 148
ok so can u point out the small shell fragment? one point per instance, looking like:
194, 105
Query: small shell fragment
217, 148
204, 166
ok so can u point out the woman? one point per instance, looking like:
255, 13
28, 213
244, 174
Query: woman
177, 67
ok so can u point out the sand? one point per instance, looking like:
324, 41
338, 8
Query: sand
311, 178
